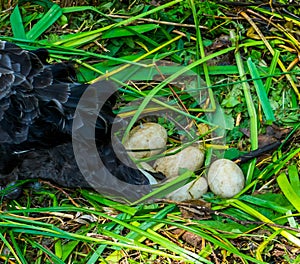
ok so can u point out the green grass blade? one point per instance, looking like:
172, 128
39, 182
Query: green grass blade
17, 248
47, 20
73, 9
169, 79
261, 91
106, 202
124, 243
272, 169
17, 24
78, 39
116, 229
288, 191
69, 247
164, 242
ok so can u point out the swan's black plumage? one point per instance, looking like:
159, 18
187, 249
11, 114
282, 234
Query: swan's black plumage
37, 106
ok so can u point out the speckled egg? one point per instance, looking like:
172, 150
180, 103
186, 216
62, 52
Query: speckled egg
150, 136
191, 191
190, 158
225, 178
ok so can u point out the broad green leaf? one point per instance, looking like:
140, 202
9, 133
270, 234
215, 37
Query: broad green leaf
17, 24
59, 251
261, 91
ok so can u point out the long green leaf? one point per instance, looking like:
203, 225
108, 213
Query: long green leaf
264, 203
126, 31
294, 178
248, 97
261, 91
272, 70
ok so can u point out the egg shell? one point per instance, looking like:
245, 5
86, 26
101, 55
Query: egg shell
146, 166
191, 191
146, 136
190, 158
225, 178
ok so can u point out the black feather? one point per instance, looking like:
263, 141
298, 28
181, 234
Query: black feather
37, 105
